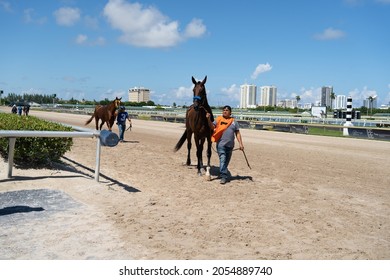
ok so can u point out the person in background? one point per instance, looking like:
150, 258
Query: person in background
20, 110
26, 109
225, 127
121, 122
14, 110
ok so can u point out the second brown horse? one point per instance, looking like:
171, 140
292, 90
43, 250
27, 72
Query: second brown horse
105, 113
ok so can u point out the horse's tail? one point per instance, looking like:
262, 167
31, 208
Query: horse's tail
88, 121
181, 141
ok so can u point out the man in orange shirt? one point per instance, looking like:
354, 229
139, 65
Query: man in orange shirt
225, 127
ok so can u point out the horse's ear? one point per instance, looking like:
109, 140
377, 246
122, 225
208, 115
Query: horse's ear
193, 80
204, 80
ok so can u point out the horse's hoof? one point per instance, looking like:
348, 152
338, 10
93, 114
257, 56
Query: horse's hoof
208, 178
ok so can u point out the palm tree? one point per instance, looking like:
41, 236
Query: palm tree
332, 97
371, 99
297, 98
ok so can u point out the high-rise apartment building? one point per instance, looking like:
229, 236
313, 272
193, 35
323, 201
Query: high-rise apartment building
340, 102
268, 95
325, 96
248, 96
368, 104
139, 94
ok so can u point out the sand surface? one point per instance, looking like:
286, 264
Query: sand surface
306, 197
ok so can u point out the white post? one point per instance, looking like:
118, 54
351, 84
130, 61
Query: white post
11, 150
97, 167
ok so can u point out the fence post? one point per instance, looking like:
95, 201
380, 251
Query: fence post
97, 167
11, 150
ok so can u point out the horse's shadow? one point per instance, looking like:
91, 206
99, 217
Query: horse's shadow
214, 172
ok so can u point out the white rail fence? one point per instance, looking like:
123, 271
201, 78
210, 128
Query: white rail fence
101, 137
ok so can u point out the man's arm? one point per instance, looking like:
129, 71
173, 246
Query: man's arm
211, 125
239, 139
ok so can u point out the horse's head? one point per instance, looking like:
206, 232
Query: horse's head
199, 92
117, 102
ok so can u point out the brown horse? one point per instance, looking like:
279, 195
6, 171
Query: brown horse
197, 124
105, 113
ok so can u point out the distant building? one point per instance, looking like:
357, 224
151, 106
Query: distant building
268, 95
139, 94
367, 103
248, 96
340, 102
325, 96
287, 103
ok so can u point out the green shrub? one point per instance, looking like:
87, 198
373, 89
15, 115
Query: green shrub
34, 151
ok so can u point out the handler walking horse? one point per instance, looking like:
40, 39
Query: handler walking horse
105, 113
197, 124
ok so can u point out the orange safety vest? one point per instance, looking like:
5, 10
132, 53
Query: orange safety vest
221, 125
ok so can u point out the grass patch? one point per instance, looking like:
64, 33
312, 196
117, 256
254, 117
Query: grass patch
325, 131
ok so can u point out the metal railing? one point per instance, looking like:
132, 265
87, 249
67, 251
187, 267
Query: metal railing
82, 133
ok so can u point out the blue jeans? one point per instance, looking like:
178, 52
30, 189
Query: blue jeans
225, 154
122, 128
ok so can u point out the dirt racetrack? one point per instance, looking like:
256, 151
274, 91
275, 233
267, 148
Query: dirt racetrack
306, 197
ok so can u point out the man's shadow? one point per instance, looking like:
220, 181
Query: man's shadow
214, 171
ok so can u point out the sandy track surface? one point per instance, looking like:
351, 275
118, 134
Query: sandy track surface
306, 197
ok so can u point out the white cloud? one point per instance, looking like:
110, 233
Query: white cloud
6, 6
231, 94
330, 34
82, 39
261, 68
183, 93
359, 95
112, 94
29, 17
147, 26
67, 16
311, 95
195, 29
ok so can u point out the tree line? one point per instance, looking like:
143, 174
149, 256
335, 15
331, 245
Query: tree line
13, 98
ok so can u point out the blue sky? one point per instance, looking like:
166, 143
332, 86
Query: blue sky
99, 49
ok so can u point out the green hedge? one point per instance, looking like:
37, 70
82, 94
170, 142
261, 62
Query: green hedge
34, 151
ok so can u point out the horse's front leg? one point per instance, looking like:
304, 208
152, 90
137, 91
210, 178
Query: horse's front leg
199, 152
